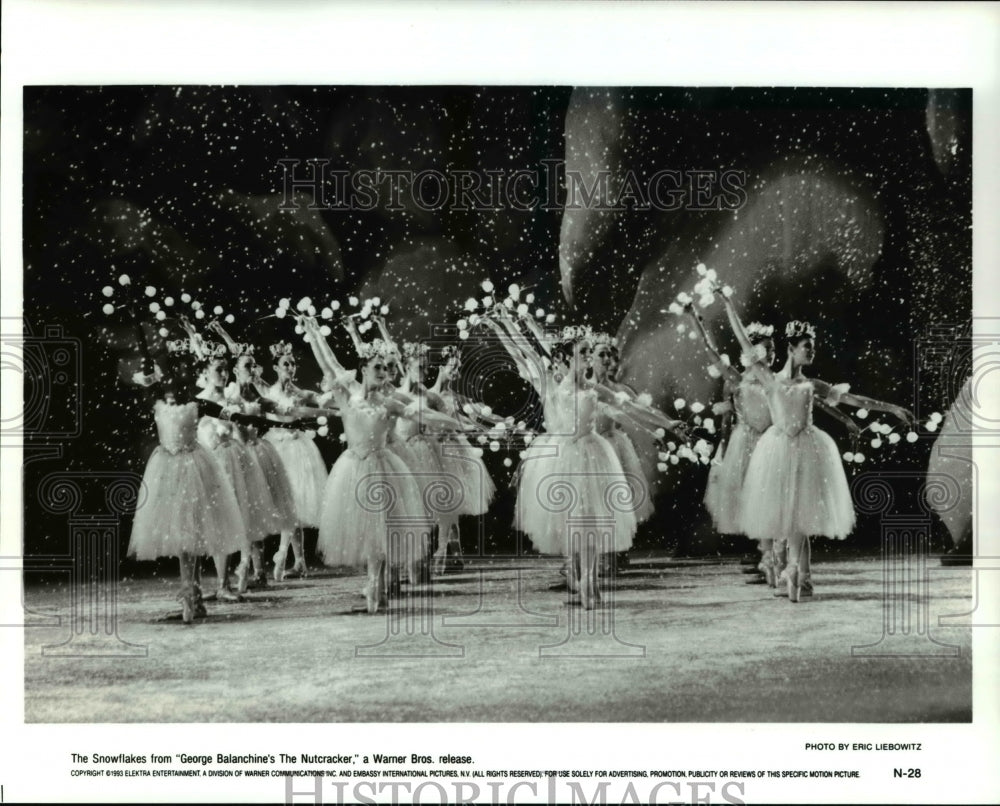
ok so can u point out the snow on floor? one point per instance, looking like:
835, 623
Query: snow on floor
677, 642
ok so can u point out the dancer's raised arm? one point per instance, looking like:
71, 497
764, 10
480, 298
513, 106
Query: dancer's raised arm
527, 366
729, 372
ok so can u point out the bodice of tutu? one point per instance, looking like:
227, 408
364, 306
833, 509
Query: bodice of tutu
604, 422
406, 428
176, 426
752, 406
366, 426
791, 406
576, 410
213, 432
290, 397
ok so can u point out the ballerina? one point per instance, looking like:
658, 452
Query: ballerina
351, 533
747, 397
304, 466
460, 458
246, 394
609, 423
572, 450
190, 508
795, 486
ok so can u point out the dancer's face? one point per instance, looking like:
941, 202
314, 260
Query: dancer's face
769, 347
582, 354
392, 370
375, 373
285, 368
602, 361
217, 373
245, 369
613, 363
803, 353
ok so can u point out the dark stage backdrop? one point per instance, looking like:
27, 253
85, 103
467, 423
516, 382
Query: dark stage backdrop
854, 213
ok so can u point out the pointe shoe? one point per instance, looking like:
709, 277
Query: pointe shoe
226, 595
794, 589
806, 587
242, 577
187, 600
297, 571
770, 577
200, 611
279, 565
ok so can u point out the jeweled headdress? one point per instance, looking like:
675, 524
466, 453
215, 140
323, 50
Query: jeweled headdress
757, 330
280, 348
414, 349
378, 348
797, 329
600, 337
576, 332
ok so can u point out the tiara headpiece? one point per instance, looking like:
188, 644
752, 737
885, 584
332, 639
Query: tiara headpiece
759, 330
379, 348
240, 349
414, 349
179, 346
211, 349
576, 332
281, 348
797, 329
600, 337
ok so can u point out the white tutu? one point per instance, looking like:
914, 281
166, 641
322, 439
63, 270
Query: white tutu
281, 512
464, 462
305, 470
629, 458
725, 478
795, 481
573, 476
372, 506
187, 504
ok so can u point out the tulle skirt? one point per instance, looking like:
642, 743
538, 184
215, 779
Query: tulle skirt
564, 478
189, 506
795, 485
361, 495
305, 470
725, 480
247, 480
627, 455
442, 492
280, 514
464, 462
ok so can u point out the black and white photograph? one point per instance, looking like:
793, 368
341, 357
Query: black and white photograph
634, 410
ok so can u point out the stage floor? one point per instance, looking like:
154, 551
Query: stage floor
678, 641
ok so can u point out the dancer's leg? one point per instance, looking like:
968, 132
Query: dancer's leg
767, 562
187, 595
792, 572
281, 555
805, 567
299, 567
224, 593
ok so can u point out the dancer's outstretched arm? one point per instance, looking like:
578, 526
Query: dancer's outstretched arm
852, 427
832, 396
709, 342
646, 416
